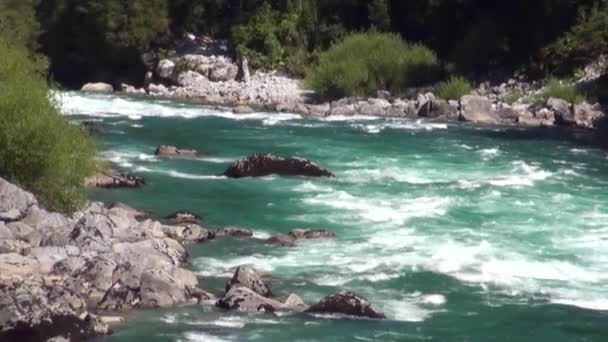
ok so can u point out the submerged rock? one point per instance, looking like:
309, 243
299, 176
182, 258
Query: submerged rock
259, 165
346, 303
114, 179
172, 151
289, 240
247, 277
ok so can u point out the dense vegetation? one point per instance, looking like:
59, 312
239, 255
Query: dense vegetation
366, 62
114, 40
39, 149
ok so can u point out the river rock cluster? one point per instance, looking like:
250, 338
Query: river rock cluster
59, 274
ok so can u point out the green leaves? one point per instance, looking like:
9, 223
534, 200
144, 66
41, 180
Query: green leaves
363, 63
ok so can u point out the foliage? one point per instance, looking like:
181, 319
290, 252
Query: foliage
18, 23
513, 96
454, 88
379, 15
365, 62
560, 90
39, 149
586, 40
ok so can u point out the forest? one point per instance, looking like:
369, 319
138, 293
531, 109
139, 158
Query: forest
116, 39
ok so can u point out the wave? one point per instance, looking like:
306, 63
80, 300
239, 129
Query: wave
178, 174
402, 124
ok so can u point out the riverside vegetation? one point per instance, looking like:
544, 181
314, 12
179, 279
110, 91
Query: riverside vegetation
318, 58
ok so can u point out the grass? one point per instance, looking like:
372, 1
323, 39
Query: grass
454, 88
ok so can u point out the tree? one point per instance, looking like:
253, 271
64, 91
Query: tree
379, 15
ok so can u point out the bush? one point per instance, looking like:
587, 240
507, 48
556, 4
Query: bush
454, 88
557, 89
363, 63
39, 149
512, 96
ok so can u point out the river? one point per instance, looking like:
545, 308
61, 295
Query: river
457, 232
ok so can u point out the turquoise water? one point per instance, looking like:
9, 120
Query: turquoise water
458, 233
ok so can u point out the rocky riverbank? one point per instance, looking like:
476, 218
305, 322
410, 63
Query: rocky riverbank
67, 278
205, 72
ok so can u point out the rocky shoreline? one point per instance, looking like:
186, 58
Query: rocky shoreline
68, 278
202, 73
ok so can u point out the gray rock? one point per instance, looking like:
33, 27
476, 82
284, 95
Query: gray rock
114, 180
14, 246
283, 240
189, 233
343, 110
586, 115
34, 312
436, 109
183, 217
294, 302
97, 88
563, 111
249, 278
166, 69
16, 265
243, 299
477, 109
157, 89
14, 202
318, 110
346, 303
371, 108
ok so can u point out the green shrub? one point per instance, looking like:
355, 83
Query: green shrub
454, 88
39, 149
363, 63
512, 96
557, 89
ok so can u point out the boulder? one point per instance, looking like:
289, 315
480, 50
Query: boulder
437, 108
32, 311
16, 265
564, 114
586, 115
243, 299
128, 210
114, 179
223, 72
157, 89
247, 277
346, 303
172, 151
237, 232
373, 107
259, 165
343, 110
477, 109
283, 240
97, 88
166, 69
14, 202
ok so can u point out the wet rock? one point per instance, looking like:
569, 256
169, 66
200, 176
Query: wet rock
346, 303
114, 180
247, 277
318, 110
243, 299
259, 165
183, 217
172, 151
477, 109
237, 232
282, 240
97, 88
311, 234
